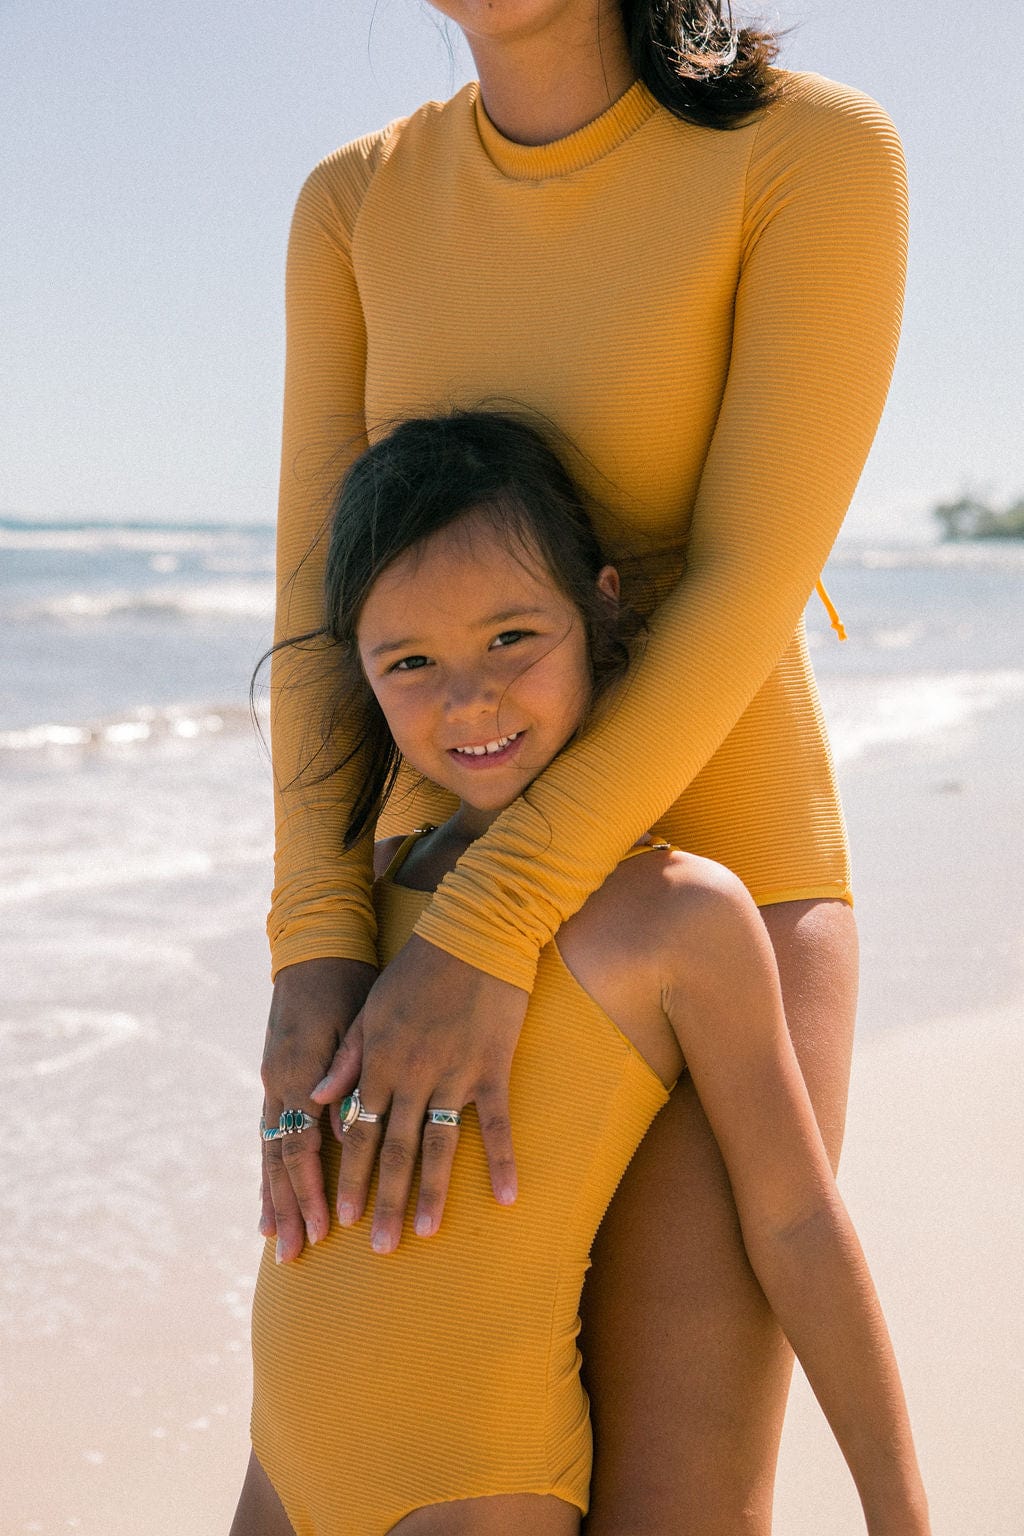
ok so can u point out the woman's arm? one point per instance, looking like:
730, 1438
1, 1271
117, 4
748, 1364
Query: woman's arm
321, 903
720, 990
816, 323
321, 923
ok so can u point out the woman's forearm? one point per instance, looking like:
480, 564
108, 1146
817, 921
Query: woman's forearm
817, 1283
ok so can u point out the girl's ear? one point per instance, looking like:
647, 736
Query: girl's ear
608, 583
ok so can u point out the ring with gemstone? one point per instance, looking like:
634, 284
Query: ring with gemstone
443, 1117
292, 1121
351, 1109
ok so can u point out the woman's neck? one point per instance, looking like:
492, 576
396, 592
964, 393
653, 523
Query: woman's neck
548, 83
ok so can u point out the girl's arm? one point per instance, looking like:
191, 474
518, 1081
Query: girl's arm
720, 990
816, 322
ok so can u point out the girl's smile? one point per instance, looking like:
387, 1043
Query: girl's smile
478, 660
492, 752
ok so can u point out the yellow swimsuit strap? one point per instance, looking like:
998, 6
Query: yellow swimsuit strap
400, 854
830, 609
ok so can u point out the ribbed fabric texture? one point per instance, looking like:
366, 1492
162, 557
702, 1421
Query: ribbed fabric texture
712, 319
449, 1369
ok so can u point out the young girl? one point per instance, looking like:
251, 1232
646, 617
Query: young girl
477, 630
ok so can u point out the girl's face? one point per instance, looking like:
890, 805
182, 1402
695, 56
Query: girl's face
478, 661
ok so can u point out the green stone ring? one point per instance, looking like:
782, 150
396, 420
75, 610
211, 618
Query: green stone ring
351, 1109
292, 1121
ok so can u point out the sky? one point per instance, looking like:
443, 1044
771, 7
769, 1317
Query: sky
150, 155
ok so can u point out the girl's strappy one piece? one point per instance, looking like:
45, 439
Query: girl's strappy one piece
449, 1369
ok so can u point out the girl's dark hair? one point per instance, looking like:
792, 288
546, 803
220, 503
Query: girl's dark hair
696, 63
422, 477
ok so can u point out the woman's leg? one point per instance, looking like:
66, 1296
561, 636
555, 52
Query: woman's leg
687, 1369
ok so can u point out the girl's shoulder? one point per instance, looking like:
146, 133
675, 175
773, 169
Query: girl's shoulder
658, 927
656, 913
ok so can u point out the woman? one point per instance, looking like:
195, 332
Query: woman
708, 304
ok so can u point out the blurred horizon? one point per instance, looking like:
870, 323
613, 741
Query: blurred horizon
151, 157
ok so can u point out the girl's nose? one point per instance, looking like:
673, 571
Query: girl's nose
470, 695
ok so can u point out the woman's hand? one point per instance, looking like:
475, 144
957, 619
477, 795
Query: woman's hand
433, 1033
313, 1005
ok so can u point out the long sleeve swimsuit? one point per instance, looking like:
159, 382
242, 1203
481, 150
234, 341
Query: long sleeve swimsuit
711, 318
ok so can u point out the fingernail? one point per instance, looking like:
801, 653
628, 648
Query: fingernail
312, 1234
279, 1252
320, 1087
424, 1226
380, 1242
507, 1195
346, 1214
265, 1229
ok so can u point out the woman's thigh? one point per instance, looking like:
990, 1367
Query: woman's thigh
686, 1367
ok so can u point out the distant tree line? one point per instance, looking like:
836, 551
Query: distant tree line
970, 519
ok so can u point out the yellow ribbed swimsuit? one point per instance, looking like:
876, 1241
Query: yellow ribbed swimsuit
711, 318
449, 1369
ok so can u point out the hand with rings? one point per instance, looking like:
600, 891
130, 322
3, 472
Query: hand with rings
313, 1004
434, 1035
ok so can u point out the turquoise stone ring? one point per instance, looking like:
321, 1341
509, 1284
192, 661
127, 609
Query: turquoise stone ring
351, 1109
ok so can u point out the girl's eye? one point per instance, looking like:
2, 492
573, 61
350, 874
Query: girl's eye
510, 636
409, 664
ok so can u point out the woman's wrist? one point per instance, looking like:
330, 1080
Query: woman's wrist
323, 981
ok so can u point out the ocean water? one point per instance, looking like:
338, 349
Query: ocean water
137, 797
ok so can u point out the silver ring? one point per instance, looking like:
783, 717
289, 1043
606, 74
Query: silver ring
351, 1109
292, 1121
443, 1117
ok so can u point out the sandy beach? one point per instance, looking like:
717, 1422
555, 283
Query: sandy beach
130, 1241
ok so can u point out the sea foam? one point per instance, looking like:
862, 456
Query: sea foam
872, 712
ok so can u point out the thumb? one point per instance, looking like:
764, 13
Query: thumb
343, 1073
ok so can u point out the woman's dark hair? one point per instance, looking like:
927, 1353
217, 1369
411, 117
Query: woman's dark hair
422, 477
696, 63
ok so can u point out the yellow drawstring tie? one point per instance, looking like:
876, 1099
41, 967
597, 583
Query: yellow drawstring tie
830, 609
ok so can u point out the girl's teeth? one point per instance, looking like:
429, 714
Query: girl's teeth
490, 748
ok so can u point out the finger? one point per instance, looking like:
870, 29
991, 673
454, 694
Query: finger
268, 1225
347, 1076
343, 1073
436, 1159
399, 1155
496, 1131
359, 1146
300, 1155
296, 1184
291, 1235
